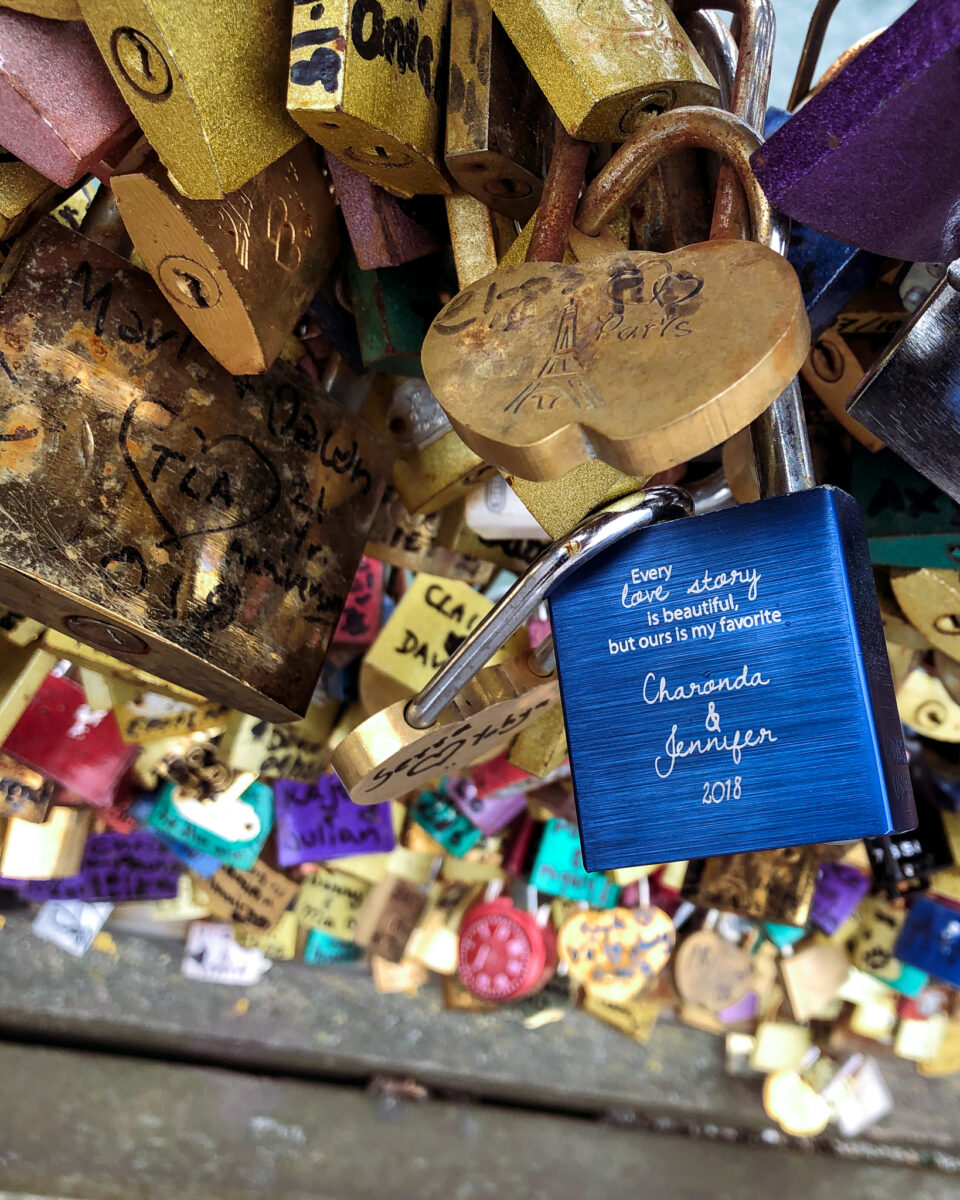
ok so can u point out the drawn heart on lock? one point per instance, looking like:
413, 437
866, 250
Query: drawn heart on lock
195, 485
642, 360
614, 953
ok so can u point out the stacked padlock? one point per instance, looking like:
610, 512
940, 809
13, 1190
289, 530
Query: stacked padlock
409, 443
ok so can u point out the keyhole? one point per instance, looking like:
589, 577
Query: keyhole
826, 360
192, 289
141, 64
948, 623
932, 713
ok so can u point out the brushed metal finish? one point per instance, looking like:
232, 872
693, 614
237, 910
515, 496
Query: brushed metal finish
831, 765
911, 396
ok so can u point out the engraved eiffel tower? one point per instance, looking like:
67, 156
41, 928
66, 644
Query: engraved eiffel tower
560, 377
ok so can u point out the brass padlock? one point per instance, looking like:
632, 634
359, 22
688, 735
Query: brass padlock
52, 849
389, 915
202, 527
410, 543
544, 366
479, 236
930, 600
238, 271
53, 10
366, 78
606, 66
766, 885
215, 118
24, 792
23, 191
499, 129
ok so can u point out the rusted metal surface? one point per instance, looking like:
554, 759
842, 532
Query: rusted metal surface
560, 194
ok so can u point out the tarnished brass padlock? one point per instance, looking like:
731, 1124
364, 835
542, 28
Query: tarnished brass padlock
22, 191
24, 792
215, 119
238, 271
499, 127
201, 527
478, 235
766, 885
366, 78
403, 540
930, 600
543, 366
607, 65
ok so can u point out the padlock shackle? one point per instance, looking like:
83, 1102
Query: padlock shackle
682, 129
567, 554
717, 46
810, 55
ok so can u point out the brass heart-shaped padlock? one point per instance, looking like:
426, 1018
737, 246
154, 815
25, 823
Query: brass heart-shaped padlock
615, 952
642, 360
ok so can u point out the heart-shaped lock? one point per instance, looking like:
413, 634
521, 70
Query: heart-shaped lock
614, 953
641, 360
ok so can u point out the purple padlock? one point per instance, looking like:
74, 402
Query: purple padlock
118, 867
840, 888
318, 821
871, 159
491, 814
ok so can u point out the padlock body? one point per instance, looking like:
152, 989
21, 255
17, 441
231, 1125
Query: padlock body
911, 396
930, 939
725, 687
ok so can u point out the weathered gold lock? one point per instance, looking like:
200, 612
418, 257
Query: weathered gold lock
389, 916
203, 528
478, 235
366, 77
607, 65
22, 191
499, 127
544, 366
208, 92
766, 885
410, 543
238, 271
24, 792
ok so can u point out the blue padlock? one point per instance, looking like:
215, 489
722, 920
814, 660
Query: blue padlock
930, 939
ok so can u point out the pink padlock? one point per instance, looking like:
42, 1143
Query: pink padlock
60, 110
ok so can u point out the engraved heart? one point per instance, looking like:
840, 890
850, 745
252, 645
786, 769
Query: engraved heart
639, 359
614, 953
193, 484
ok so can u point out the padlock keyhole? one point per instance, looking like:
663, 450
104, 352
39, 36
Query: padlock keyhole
948, 623
192, 289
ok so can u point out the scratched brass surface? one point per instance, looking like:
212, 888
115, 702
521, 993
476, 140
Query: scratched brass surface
606, 65
384, 757
640, 360
499, 128
203, 527
766, 885
239, 271
366, 80
205, 81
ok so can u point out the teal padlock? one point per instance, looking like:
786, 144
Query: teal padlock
558, 869
235, 834
322, 949
436, 813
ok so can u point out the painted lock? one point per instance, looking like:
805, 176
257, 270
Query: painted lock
203, 528
863, 159
163, 60
607, 65
365, 80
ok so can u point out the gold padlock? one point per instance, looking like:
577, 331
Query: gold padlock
331, 901
930, 600
24, 792
239, 271
91, 662
143, 717
389, 916
50, 850
832, 370
366, 77
22, 670
23, 191
765, 885
296, 750
428, 624
201, 527
926, 706
53, 10
492, 154
18, 629
207, 91
479, 236
408, 542
606, 66
510, 554
541, 748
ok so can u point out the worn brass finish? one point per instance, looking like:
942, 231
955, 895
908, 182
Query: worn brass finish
366, 80
18, 629
539, 370
604, 65
22, 191
53, 10
765, 885
511, 554
385, 758
83, 656
205, 84
499, 125
930, 601
833, 370
712, 973
239, 271
24, 792
479, 236
439, 474
403, 540
542, 747
559, 504
203, 530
